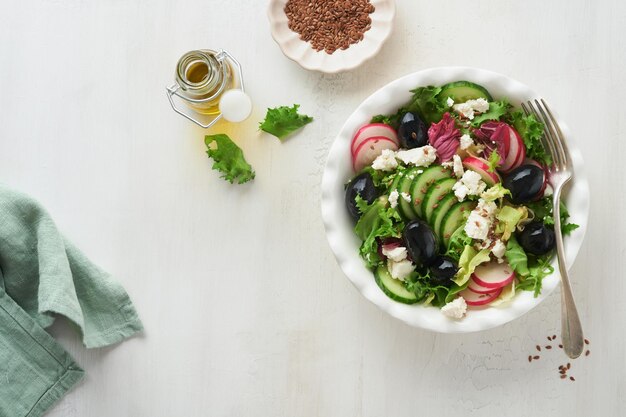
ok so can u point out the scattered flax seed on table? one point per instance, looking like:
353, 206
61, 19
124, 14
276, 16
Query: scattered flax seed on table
563, 369
329, 25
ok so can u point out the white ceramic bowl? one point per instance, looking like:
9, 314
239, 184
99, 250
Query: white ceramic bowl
339, 227
341, 60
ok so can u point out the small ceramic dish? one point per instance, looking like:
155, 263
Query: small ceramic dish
340, 228
303, 53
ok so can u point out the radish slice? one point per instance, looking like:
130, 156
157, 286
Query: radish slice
373, 130
476, 299
522, 155
477, 288
493, 274
480, 166
514, 146
370, 150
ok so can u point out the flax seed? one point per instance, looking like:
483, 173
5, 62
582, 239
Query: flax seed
536, 357
568, 365
548, 347
563, 376
587, 353
538, 348
329, 25
530, 358
571, 378
586, 341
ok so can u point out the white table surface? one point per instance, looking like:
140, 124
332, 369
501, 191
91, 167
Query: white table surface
245, 309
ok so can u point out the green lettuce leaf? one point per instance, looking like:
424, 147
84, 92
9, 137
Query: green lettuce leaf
419, 283
424, 102
495, 192
508, 219
530, 271
516, 257
228, 159
458, 241
493, 162
282, 121
361, 204
469, 260
538, 269
543, 211
497, 109
378, 221
568, 228
454, 290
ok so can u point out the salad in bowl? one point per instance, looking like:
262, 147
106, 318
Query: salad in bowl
450, 202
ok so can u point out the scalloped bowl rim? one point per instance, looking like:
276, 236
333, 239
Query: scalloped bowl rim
339, 227
301, 52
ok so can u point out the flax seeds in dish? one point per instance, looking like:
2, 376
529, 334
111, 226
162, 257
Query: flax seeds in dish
329, 25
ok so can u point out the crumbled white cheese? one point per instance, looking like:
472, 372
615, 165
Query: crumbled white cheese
477, 226
480, 105
460, 191
393, 198
455, 309
386, 161
406, 197
548, 191
457, 166
421, 157
466, 141
486, 208
396, 254
400, 270
471, 107
480, 220
498, 249
471, 183
450, 102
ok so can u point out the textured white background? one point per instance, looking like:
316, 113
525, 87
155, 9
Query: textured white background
246, 312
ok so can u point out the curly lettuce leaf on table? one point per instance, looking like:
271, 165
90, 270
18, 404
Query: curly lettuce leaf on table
283, 121
228, 159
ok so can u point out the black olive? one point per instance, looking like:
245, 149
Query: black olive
525, 183
537, 238
363, 185
421, 242
412, 132
442, 270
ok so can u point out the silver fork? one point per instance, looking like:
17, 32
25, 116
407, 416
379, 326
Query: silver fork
559, 174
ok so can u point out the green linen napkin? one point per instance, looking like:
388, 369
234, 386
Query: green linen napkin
43, 276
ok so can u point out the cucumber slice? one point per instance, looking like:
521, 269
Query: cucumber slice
440, 212
461, 91
434, 195
420, 186
406, 208
454, 219
392, 287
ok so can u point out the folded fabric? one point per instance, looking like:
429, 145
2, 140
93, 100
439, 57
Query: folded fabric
44, 276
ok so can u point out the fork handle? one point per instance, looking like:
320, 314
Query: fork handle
571, 329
